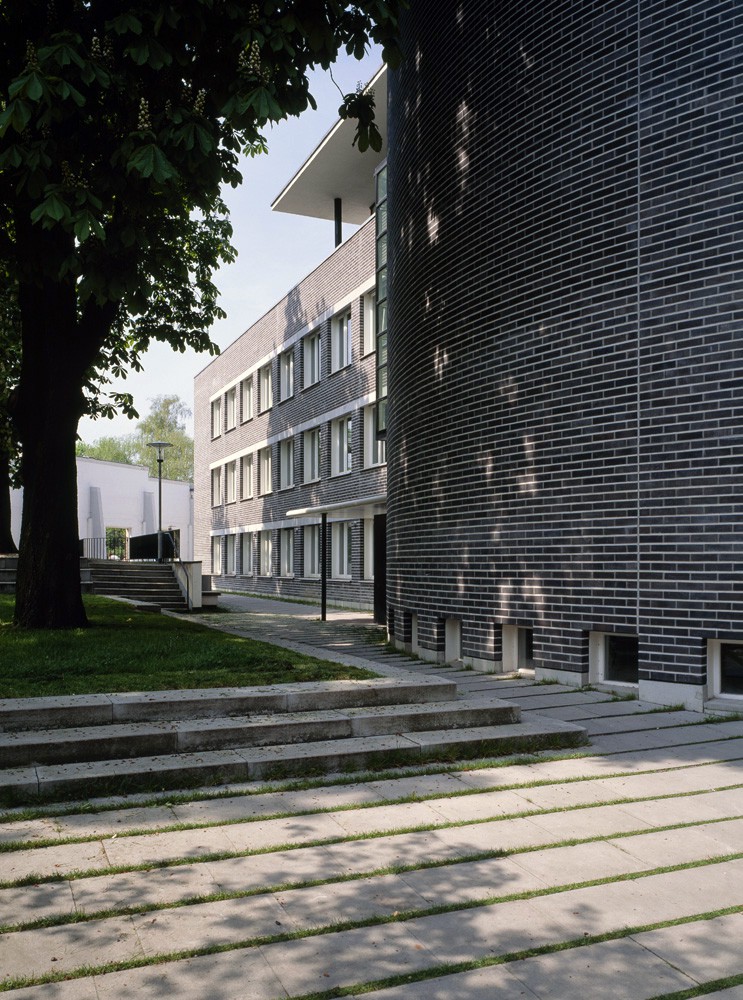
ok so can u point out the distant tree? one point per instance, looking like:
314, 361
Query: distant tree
10, 362
118, 125
108, 449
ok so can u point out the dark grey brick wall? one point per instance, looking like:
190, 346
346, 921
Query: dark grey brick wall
565, 345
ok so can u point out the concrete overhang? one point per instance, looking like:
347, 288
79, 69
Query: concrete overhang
336, 169
363, 507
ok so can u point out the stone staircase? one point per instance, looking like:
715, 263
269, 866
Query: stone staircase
152, 586
77, 746
8, 565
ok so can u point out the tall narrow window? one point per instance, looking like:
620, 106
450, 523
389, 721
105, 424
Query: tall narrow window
368, 548
265, 390
264, 553
264, 470
370, 326
286, 551
381, 298
312, 550
230, 481
216, 417
286, 374
341, 437
246, 547
340, 342
312, 455
231, 555
311, 358
217, 555
231, 408
341, 549
246, 477
247, 399
374, 448
286, 462
216, 486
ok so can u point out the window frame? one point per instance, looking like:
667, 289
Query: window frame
246, 462
341, 341
230, 482
265, 554
286, 553
341, 549
216, 480
373, 445
311, 551
341, 446
312, 358
265, 471
230, 406
265, 388
216, 555
216, 417
286, 464
246, 399
286, 374
311, 444
369, 341
230, 552
246, 544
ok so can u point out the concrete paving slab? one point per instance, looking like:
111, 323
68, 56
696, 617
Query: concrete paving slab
103, 824
651, 740
689, 809
705, 949
278, 868
361, 856
670, 847
632, 722
617, 969
19, 783
420, 785
473, 880
493, 777
27, 831
466, 808
728, 834
493, 983
247, 806
60, 949
155, 848
58, 860
331, 961
235, 975
392, 817
277, 832
532, 701
156, 887
565, 794
596, 821
579, 863
75, 989
35, 902
319, 906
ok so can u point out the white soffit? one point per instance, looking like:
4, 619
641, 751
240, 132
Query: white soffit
336, 169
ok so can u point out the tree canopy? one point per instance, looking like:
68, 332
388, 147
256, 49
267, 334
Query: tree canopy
119, 124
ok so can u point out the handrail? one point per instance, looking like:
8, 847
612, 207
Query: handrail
177, 558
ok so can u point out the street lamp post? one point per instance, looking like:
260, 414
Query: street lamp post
161, 446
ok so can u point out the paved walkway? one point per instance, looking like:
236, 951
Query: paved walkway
464, 883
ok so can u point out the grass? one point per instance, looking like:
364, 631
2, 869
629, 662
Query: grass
128, 650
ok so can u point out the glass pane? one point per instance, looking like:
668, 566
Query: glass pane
381, 251
731, 669
382, 184
382, 350
382, 382
621, 659
382, 218
382, 416
381, 317
382, 284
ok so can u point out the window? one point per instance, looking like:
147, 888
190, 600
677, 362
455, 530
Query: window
380, 326
216, 417
265, 391
286, 464
231, 414
368, 548
374, 449
340, 342
246, 477
312, 550
286, 374
517, 646
341, 550
264, 553
264, 470
230, 481
311, 352
286, 551
312, 455
613, 658
217, 555
247, 399
246, 553
230, 549
370, 332
725, 667
341, 451
216, 486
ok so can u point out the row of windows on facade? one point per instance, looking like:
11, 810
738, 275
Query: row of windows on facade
251, 553
236, 479
240, 403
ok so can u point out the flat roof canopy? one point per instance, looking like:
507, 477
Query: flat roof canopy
363, 507
336, 169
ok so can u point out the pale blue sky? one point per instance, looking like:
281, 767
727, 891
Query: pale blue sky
274, 250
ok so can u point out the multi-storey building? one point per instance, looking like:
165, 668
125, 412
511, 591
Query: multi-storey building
287, 454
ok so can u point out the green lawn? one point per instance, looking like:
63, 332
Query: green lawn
127, 650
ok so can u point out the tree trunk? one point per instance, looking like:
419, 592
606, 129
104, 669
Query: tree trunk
7, 545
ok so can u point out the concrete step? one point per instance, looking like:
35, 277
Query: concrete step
285, 760
74, 711
137, 739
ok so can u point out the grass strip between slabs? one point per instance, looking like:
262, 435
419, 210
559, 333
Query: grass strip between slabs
703, 989
424, 974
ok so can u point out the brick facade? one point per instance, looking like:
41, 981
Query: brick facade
335, 288
565, 346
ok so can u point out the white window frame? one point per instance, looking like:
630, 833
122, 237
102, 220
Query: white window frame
714, 668
341, 347
217, 486
216, 417
341, 446
264, 553
370, 325
230, 400
265, 388
312, 455
286, 464
246, 549
230, 482
230, 549
341, 550
597, 660
286, 374
311, 358
375, 450
286, 552
246, 477
368, 548
247, 399
216, 555
265, 471
311, 542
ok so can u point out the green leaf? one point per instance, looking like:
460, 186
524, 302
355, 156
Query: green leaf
52, 208
125, 23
